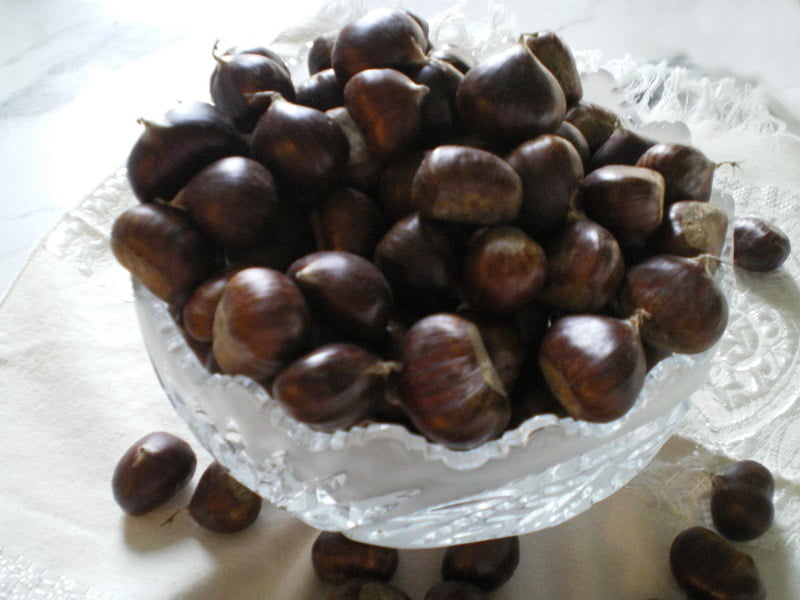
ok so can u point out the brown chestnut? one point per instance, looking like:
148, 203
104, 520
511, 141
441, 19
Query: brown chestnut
466, 185
504, 269
554, 54
363, 169
510, 97
335, 558
234, 201
628, 201
584, 266
550, 169
706, 565
394, 186
347, 219
168, 154
448, 385
163, 250
383, 37
687, 309
575, 137
594, 364
691, 228
303, 147
688, 173
222, 504
741, 500
319, 55
332, 387
594, 121
759, 245
197, 314
321, 91
623, 147
239, 74
152, 471
366, 589
386, 105
488, 564
261, 322
346, 289
440, 122
460, 58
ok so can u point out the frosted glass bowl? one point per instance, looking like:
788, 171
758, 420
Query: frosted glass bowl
382, 484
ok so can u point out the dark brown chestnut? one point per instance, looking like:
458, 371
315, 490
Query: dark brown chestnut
349, 220
460, 58
505, 343
628, 201
687, 309
383, 37
440, 122
302, 147
504, 269
466, 185
488, 564
386, 105
594, 364
688, 173
366, 589
741, 500
261, 323
168, 154
574, 136
234, 201
319, 55
321, 90
394, 186
163, 250
550, 169
594, 121
623, 147
448, 385
706, 565
691, 228
336, 557
759, 245
363, 169
332, 387
241, 73
346, 289
221, 504
152, 471
455, 590
510, 97
198, 311
584, 266
554, 54
417, 258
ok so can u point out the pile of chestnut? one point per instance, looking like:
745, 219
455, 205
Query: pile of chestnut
410, 235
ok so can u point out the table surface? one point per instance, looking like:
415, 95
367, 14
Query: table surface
75, 76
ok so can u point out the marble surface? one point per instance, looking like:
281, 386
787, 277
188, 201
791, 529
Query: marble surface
75, 75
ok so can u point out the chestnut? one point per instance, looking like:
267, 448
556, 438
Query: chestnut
394, 185
336, 558
319, 55
239, 74
448, 385
302, 147
691, 228
168, 154
466, 185
383, 37
234, 201
505, 343
628, 201
584, 266
197, 314
321, 91
554, 54
163, 250
575, 137
759, 245
741, 500
594, 364
347, 289
386, 105
623, 147
504, 269
706, 565
510, 97
594, 121
349, 220
221, 504
332, 387
418, 259
687, 310
261, 323
152, 471
440, 122
551, 170
488, 564
688, 173
460, 58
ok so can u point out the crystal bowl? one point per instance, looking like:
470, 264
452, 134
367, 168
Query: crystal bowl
381, 484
